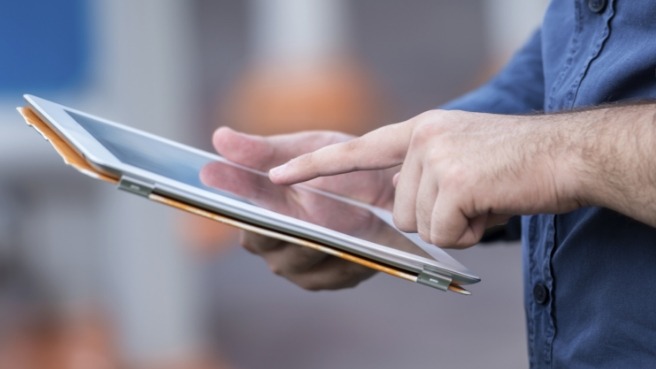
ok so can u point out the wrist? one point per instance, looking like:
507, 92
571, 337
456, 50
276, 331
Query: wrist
605, 155
573, 176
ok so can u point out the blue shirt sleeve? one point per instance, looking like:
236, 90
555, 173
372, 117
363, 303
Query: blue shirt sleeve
517, 89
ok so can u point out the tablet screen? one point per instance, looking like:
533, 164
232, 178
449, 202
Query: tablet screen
209, 173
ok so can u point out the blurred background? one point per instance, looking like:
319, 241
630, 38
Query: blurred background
93, 278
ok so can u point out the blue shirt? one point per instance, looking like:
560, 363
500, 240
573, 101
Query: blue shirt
588, 274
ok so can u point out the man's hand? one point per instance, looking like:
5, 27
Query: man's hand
307, 268
461, 172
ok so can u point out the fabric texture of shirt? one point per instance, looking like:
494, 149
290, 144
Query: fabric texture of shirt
587, 274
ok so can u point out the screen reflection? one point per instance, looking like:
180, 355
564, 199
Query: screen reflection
218, 176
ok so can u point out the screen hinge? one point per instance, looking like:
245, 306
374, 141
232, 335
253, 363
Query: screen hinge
433, 279
135, 186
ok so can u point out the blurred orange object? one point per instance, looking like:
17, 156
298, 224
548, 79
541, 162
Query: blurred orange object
203, 235
334, 94
43, 341
47, 342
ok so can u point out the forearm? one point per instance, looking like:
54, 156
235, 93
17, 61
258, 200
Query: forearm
611, 158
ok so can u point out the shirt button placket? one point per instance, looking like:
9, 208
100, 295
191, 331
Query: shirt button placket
597, 6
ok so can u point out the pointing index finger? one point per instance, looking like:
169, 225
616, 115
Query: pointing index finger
379, 149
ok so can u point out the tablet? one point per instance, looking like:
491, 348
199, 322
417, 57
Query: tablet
173, 174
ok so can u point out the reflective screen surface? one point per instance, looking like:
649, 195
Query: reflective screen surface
224, 178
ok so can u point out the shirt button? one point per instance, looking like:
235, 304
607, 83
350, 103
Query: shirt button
540, 293
597, 6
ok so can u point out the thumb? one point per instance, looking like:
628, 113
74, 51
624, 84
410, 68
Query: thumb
248, 150
265, 152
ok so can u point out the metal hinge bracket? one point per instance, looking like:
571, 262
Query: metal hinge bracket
435, 280
135, 186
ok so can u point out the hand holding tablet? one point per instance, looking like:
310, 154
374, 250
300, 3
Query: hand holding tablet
309, 269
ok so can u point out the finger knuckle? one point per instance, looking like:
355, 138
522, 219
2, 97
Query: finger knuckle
250, 245
460, 244
455, 176
349, 275
351, 145
433, 118
301, 258
259, 244
421, 134
351, 283
276, 269
249, 241
437, 240
425, 118
338, 137
439, 237
404, 224
426, 237
442, 241
310, 284
434, 157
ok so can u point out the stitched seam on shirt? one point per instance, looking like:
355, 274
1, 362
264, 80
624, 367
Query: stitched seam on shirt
531, 319
576, 86
549, 280
578, 28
